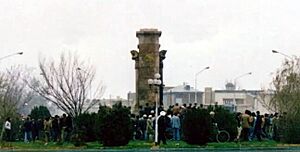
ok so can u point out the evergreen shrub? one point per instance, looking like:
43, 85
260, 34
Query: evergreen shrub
40, 112
289, 129
196, 126
86, 126
115, 126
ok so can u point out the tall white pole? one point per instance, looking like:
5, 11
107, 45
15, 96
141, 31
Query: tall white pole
156, 115
156, 82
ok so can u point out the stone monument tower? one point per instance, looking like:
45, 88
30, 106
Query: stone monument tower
147, 63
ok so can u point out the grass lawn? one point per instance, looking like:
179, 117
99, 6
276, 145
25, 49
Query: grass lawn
138, 144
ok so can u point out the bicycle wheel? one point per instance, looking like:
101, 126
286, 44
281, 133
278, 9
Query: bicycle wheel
223, 136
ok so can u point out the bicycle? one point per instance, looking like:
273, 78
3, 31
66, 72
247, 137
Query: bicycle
219, 135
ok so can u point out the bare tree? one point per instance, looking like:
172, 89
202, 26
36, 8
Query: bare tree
13, 93
287, 87
67, 84
265, 98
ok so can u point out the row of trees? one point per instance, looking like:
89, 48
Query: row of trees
68, 82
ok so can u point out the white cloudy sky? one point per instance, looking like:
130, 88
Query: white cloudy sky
231, 36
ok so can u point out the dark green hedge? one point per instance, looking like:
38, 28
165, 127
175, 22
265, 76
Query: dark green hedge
115, 127
289, 129
86, 126
196, 126
40, 112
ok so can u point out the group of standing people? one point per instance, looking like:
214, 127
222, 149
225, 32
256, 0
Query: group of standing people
251, 125
169, 122
56, 129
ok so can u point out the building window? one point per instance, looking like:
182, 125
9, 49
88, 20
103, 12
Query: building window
228, 101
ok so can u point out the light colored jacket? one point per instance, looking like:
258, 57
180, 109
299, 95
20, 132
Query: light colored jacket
175, 121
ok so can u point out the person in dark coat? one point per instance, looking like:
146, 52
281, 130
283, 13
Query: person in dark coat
258, 126
27, 130
69, 127
162, 126
35, 130
56, 129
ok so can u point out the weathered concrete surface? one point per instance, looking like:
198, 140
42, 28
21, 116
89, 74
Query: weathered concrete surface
146, 65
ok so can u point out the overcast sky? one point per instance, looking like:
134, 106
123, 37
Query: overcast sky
233, 37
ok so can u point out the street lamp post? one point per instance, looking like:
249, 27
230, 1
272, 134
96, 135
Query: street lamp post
156, 82
196, 81
18, 53
274, 51
235, 79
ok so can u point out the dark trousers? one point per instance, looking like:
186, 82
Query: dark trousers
258, 133
245, 134
161, 137
56, 135
7, 134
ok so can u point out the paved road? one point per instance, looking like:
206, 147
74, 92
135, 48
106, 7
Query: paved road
286, 149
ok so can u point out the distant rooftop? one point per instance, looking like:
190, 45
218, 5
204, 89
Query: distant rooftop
148, 29
181, 88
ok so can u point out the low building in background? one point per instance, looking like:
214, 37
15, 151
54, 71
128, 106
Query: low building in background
232, 99
182, 94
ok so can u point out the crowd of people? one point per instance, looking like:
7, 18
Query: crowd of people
169, 122
250, 125
255, 125
57, 129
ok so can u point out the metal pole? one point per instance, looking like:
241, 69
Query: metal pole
156, 116
196, 82
196, 88
20, 53
274, 51
234, 100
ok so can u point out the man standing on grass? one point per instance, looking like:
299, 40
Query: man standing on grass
175, 122
7, 129
27, 130
162, 126
246, 120
258, 126
63, 127
47, 129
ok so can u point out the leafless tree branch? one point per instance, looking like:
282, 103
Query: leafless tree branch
67, 84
